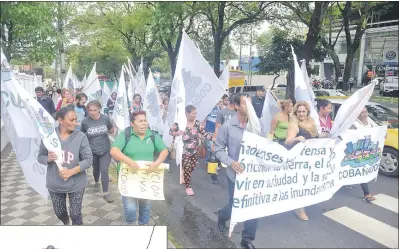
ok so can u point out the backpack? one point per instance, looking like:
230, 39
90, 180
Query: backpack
128, 134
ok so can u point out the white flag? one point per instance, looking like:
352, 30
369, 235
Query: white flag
306, 79
84, 82
152, 105
350, 110
68, 81
121, 110
202, 88
270, 109
253, 120
93, 89
140, 81
225, 76
106, 95
302, 92
41, 126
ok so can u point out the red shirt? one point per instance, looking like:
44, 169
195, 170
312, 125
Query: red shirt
326, 127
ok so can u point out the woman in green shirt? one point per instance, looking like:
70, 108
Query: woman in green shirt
279, 124
140, 147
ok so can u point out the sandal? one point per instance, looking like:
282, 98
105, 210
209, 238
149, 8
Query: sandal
369, 198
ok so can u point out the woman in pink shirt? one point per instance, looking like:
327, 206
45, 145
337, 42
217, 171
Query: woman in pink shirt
324, 109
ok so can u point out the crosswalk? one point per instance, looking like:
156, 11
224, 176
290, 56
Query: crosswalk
370, 227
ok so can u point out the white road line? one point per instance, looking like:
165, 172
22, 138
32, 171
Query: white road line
386, 202
374, 229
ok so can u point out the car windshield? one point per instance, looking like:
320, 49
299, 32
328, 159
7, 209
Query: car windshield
381, 114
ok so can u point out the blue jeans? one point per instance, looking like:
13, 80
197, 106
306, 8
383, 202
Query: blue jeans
130, 208
208, 147
249, 232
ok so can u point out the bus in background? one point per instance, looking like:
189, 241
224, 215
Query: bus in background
236, 81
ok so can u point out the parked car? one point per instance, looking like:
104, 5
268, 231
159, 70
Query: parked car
280, 88
250, 90
329, 93
381, 115
390, 86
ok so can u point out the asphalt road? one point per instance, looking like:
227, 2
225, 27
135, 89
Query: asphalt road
192, 220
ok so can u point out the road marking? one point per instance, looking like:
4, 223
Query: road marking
374, 229
386, 202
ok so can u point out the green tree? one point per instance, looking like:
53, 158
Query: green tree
169, 21
274, 48
28, 32
224, 17
128, 22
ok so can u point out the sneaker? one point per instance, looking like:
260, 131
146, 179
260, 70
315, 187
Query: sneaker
97, 187
189, 191
214, 179
301, 214
108, 198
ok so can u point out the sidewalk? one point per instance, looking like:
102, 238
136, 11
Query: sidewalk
21, 205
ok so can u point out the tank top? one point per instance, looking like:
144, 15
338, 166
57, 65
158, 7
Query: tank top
281, 130
302, 132
326, 127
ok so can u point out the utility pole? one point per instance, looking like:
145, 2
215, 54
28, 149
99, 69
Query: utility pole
61, 45
56, 72
250, 57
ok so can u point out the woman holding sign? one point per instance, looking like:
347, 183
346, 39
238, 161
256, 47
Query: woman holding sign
301, 128
72, 180
135, 144
191, 140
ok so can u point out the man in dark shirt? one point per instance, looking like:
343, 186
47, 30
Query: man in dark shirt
259, 100
45, 101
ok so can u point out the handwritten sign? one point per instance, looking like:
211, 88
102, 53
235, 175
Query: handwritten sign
141, 184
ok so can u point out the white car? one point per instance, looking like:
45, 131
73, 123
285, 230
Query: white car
390, 86
328, 93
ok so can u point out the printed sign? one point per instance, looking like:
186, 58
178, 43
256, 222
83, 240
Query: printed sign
276, 180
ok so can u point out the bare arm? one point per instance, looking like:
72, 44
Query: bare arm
273, 124
291, 134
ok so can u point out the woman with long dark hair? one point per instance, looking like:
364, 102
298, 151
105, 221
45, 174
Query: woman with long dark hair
72, 180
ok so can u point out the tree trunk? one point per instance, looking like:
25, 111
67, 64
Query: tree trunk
274, 80
335, 58
290, 91
218, 50
172, 61
312, 36
348, 69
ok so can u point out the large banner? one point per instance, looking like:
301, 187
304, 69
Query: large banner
276, 180
141, 184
